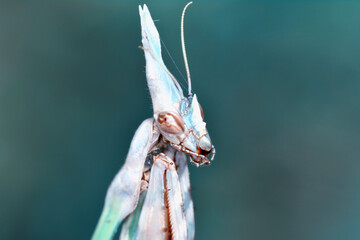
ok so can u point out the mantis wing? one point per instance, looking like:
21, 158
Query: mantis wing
184, 179
123, 194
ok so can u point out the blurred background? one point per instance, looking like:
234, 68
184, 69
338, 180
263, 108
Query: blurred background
278, 80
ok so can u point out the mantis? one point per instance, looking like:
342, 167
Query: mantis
151, 194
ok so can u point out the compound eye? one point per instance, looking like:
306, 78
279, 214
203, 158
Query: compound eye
170, 122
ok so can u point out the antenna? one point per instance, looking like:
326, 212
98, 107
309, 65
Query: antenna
183, 48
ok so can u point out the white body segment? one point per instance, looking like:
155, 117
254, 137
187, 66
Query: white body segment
164, 92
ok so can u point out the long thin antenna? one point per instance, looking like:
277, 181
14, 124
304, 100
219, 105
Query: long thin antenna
183, 47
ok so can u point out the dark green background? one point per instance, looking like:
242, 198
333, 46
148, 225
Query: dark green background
279, 83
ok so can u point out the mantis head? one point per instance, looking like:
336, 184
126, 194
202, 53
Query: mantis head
186, 131
180, 119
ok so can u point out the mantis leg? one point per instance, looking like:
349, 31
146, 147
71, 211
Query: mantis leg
177, 217
162, 215
123, 194
184, 179
152, 221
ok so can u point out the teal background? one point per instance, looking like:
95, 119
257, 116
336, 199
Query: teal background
279, 83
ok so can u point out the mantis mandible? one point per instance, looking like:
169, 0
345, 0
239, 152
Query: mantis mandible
151, 192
